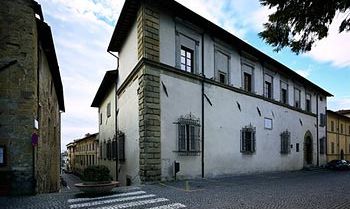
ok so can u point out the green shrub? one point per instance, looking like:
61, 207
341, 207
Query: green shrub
96, 173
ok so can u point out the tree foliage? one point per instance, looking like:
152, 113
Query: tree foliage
299, 23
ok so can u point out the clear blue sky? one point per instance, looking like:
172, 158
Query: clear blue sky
82, 30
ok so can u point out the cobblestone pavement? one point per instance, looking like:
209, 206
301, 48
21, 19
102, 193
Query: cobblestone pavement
299, 189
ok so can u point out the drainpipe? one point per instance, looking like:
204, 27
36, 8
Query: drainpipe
116, 121
317, 129
203, 76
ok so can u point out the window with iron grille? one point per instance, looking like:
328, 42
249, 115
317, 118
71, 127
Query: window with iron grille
323, 145
285, 142
248, 139
121, 147
188, 134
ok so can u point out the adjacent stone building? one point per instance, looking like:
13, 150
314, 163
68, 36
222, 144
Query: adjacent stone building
338, 136
187, 91
31, 101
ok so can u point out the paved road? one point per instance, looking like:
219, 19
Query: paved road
300, 189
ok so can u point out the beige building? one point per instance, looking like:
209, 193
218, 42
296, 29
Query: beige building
338, 136
71, 156
31, 101
83, 153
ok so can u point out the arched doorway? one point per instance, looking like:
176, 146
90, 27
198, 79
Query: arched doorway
308, 151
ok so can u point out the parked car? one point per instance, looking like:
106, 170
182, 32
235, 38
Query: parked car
338, 165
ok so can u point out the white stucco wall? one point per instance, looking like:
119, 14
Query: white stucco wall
128, 55
223, 123
128, 123
107, 128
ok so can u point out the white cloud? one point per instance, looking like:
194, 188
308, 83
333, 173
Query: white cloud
305, 73
334, 48
339, 103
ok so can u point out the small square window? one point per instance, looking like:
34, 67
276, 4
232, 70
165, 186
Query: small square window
297, 147
247, 82
222, 77
268, 123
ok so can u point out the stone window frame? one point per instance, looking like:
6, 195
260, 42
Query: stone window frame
323, 120
297, 105
251, 64
285, 142
191, 33
188, 135
218, 48
3, 156
248, 130
287, 91
308, 109
271, 96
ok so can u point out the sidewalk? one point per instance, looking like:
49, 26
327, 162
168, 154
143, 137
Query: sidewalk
70, 180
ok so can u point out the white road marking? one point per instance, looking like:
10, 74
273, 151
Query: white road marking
101, 202
133, 204
105, 197
170, 206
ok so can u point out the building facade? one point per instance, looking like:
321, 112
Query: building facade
31, 100
83, 153
190, 92
338, 136
71, 156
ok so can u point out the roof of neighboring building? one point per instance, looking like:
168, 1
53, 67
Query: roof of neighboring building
109, 79
71, 144
337, 114
129, 13
343, 112
45, 38
87, 136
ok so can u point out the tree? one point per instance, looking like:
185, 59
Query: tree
299, 23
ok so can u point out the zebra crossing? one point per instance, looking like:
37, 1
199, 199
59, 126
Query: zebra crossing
133, 199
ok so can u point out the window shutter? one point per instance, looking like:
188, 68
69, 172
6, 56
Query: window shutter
288, 143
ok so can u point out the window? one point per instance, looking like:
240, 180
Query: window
121, 147
247, 78
297, 98
186, 59
109, 150
284, 92
268, 123
2, 155
322, 145
100, 118
268, 86
188, 134
109, 109
332, 126
297, 147
308, 102
285, 142
248, 139
332, 148
222, 66
247, 82
341, 128
322, 120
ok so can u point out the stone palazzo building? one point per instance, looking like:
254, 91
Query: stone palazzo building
31, 101
187, 91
